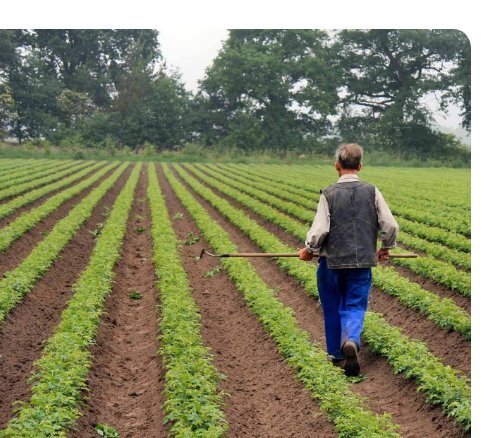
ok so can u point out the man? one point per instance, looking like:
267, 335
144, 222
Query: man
349, 217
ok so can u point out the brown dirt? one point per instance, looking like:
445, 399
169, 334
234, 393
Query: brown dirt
9, 198
23, 246
265, 398
385, 392
126, 380
12, 217
33, 320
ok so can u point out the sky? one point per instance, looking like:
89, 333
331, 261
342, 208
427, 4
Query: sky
191, 51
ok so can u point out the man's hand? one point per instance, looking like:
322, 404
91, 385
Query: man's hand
305, 255
383, 254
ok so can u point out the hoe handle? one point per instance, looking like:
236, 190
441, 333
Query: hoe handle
294, 254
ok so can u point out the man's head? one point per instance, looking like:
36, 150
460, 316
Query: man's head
348, 158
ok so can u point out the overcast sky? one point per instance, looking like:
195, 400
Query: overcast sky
191, 51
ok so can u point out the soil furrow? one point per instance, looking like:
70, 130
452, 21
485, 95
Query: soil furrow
265, 398
385, 391
13, 216
23, 246
126, 380
33, 320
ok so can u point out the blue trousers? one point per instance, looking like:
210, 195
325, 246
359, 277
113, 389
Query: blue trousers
344, 299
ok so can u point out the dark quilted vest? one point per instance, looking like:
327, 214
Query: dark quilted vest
352, 240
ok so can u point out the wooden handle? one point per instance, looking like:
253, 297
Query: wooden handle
262, 254
294, 254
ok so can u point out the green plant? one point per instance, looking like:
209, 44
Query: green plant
188, 361
106, 431
135, 295
328, 385
442, 384
178, 216
191, 239
213, 272
61, 372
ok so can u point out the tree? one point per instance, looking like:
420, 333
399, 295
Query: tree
275, 81
386, 74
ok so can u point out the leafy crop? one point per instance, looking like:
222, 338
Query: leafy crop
193, 404
19, 281
424, 367
327, 384
61, 373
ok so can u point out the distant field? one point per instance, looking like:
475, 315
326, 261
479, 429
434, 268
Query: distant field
103, 294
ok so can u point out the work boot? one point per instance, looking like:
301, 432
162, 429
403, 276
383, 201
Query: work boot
350, 352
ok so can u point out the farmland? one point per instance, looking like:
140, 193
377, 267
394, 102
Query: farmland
111, 323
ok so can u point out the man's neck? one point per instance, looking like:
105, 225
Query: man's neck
343, 172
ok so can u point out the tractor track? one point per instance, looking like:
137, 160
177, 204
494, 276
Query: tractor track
384, 391
32, 321
265, 398
126, 380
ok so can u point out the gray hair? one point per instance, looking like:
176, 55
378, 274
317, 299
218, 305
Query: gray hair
349, 155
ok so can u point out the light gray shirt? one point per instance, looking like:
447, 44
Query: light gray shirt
388, 227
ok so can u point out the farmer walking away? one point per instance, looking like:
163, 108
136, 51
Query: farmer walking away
344, 232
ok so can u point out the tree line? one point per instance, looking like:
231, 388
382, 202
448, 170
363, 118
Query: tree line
276, 89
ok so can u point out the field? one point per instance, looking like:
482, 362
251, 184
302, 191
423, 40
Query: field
112, 325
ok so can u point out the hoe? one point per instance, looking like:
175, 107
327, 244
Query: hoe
284, 254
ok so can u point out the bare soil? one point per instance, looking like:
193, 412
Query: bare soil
126, 380
34, 319
265, 398
384, 391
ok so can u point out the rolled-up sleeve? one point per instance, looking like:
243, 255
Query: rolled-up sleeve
320, 226
388, 226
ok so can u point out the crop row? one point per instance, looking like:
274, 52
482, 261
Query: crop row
30, 172
442, 384
407, 207
426, 233
8, 165
21, 188
28, 220
61, 373
29, 197
438, 271
444, 312
303, 199
450, 187
193, 403
327, 384
19, 281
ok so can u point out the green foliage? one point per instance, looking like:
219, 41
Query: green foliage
193, 405
442, 384
135, 295
258, 76
21, 280
26, 221
213, 272
28, 197
61, 372
191, 239
328, 385
106, 431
